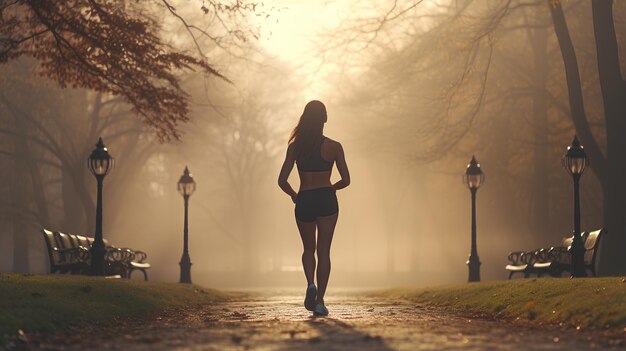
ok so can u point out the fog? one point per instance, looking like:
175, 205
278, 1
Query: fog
413, 91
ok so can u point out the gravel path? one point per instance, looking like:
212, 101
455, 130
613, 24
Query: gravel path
277, 321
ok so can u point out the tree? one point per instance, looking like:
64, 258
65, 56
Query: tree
610, 168
104, 46
51, 132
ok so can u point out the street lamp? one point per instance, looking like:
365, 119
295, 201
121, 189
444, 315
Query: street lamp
473, 178
100, 163
575, 161
186, 187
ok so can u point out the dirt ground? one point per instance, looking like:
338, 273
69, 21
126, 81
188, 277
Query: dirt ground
278, 321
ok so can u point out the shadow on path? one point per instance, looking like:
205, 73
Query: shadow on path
334, 334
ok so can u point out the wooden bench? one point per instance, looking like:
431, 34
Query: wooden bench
555, 260
69, 254
520, 263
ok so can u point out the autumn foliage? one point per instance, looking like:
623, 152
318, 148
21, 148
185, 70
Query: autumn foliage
99, 45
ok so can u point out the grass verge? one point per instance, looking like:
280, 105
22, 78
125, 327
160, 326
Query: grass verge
45, 303
581, 302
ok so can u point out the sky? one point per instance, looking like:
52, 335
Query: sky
293, 31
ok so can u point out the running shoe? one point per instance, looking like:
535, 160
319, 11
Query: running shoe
320, 310
311, 296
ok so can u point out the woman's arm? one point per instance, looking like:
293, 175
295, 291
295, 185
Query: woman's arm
283, 177
342, 167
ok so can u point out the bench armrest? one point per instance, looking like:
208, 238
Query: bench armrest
530, 257
140, 256
78, 254
542, 256
515, 257
560, 254
116, 254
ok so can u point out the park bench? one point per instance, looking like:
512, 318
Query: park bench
69, 254
555, 260
558, 259
521, 262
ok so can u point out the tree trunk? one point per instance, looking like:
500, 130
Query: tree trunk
540, 220
574, 90
88, 206
20, 194
26, 169
612, 260
73, 211
39, 194
24, 154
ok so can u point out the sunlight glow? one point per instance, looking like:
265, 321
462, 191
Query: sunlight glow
295, 31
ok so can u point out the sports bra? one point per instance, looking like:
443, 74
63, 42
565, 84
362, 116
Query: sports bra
315, 162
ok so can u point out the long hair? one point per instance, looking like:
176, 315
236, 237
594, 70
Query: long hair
307, 135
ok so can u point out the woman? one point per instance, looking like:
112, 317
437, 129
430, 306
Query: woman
316, 201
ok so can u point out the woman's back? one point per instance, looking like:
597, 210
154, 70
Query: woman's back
315, 170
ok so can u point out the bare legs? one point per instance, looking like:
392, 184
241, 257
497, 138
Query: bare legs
325, 229
307, 233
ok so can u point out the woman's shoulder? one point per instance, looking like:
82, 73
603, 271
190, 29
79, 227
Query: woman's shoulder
333, 143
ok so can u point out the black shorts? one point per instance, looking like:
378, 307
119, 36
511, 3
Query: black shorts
314, 203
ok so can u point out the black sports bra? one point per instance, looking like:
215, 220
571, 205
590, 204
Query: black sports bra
315, 162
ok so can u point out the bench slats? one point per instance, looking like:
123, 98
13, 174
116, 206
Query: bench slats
69, 253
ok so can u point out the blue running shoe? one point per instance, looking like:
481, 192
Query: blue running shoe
320, 310
311, 296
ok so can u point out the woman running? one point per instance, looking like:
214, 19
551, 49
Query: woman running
316, 201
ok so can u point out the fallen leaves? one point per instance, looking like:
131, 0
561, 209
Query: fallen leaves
529, 307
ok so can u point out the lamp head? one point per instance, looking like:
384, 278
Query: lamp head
575, 159
100, 163
186, 184
474, 176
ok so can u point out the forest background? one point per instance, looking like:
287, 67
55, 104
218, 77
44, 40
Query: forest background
413, 89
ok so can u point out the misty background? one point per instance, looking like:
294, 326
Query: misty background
412, 90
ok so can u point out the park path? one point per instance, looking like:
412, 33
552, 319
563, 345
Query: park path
277, 321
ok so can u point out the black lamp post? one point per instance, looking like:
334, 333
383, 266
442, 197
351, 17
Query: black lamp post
100, 164
575, 161
186, 187
473, 178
